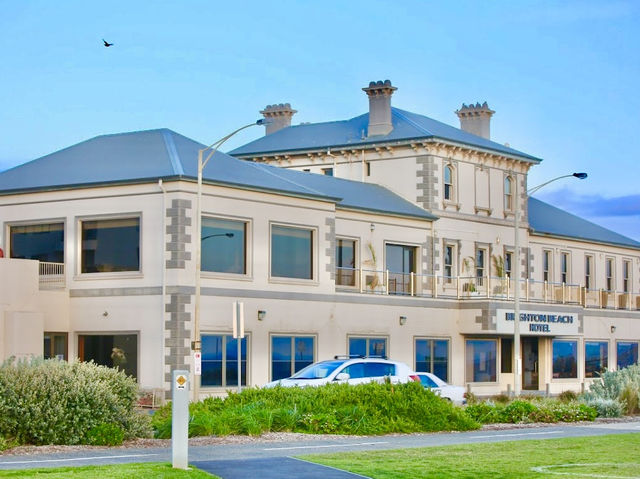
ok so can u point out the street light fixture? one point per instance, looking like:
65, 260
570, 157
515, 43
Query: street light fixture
202, 162
516, 294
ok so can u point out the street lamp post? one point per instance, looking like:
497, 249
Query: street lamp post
202, 162
516, 294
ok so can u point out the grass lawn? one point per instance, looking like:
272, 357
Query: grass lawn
614, 456
149, 470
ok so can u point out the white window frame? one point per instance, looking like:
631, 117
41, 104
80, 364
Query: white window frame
248, 274
508, 201
610, 273
314, 254
356, 258
565, 273
627, 276
589, 261
452, 184
547, 256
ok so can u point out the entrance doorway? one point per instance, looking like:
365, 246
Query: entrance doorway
530, 370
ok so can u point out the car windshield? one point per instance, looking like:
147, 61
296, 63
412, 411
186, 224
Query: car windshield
317, 370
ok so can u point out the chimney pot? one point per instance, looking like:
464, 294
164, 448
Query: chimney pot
278, 116
476, 119
379, 94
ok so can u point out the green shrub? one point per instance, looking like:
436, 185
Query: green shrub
612, 383
537, 410
568, 396
56, 402
484, 412
501, 398
105, 434
606, 407
629, 397
332, 409
517, 411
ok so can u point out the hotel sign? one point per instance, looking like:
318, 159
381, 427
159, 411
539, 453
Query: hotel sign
538, 323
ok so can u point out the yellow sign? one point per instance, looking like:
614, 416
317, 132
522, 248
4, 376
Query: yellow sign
181, 381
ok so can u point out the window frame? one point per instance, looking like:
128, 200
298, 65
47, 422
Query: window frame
627, 277
293, 337
610, 274
547, 265
573, 341
247, 355
470, 374
507, 186
136, 334
593, 374
415, 249
368, 338
448, 188
431, 345
52, 334
588, 271
46, 221
248, 249
356, 261
630, 342
565, 267
481, 271
79, 220
313, 254
451, 267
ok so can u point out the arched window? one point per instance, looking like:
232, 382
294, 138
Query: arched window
448, 183
508, 194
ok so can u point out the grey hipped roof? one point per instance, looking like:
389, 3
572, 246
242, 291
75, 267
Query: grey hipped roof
349, 133
150, 155
548, 220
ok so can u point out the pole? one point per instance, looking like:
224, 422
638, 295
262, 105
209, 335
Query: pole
517, 381
180, 419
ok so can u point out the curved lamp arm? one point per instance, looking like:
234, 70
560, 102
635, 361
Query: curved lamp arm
580, 176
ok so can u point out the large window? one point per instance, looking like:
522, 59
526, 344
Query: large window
546, 265
220, 360
565, 359
627, 353
481, 360
448, 263
432, 356
400, 262
290, 354
368, 346
55, 345
626, 276
588, 272
508, 194
448, 183
42, 242
345, 262
596, 358
564, 267
112, 350
608, 266
110, 245
291, 252
224, 246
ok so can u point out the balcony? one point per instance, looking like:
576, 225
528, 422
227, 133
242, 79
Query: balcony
51, 275
384, 282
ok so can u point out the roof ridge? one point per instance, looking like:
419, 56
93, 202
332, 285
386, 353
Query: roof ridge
270, 170
172, 151
401, 114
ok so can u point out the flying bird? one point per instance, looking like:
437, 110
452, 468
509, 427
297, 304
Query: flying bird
106, 43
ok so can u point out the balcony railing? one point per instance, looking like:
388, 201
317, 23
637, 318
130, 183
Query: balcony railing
386, 282
51, 275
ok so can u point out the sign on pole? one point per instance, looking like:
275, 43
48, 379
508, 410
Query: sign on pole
197, 363
238, 335
180, 419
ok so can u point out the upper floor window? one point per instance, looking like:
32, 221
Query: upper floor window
588, 272
110, 245
546, 265
608, 266
291, 252
481, 264
448, 183
42, 242
327, 171
345, 262
448, 263
564, 267
400, 262
508, 263
508, 194
224, 246
626, 276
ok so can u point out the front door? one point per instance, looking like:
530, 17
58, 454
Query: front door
530, 372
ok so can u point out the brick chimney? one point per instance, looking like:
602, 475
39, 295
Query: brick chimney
476, 119
379, 94
278, 117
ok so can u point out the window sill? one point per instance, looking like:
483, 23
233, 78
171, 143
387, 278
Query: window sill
450, 204
482, 209
225, 276
301, 282
113, 275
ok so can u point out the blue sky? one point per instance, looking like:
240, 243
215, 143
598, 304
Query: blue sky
561, 76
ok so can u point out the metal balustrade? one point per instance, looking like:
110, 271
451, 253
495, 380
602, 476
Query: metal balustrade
384, 282
51, 275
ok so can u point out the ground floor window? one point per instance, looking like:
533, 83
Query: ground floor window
596, 358
289, 354
365, 346
432, 356
220, 360
55, 346
481, 358
565, 359
627, 353
112, 350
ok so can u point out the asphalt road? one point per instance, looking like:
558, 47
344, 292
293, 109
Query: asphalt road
275, 459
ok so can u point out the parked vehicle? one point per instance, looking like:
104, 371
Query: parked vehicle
455, 394
350, 370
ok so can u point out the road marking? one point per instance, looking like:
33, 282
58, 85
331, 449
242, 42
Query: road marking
324, 445
76, 459
516, 434
354, 474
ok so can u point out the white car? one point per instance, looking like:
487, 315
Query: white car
349, 370
455, 394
